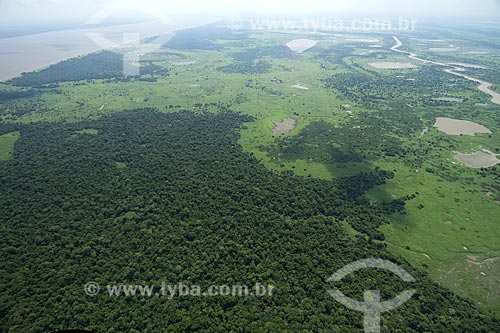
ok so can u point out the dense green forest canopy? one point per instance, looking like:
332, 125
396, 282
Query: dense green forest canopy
100, 65
186, 204
203, 38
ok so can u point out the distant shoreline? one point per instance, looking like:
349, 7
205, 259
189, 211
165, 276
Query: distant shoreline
36, 51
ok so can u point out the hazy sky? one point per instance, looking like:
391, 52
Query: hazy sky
26, 11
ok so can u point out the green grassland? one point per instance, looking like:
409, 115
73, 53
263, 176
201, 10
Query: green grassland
451, 218
7, 142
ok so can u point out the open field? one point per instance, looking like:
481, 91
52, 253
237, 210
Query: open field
7, 142
478, 160
460, 127
286, 126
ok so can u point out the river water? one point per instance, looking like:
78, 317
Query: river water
483, 85
30, 52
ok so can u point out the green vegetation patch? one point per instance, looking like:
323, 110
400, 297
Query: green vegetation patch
276, 52
417, 87
106, 65
121, 165
203, 38
352, 120
100, 65
7, 142
89, 131
8, 93
324, 143
192, 207
247, 67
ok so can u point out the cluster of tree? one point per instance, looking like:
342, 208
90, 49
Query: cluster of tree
186, 204
212, 107
322, 142
335, 54
105, 65
8, 128
10, 94
22, 101
247, 67
492, 175
100, 65
203, 38
488, 75
256, 84
152, 69
252, 54
373, 89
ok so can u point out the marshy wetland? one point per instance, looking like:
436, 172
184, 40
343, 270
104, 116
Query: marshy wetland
460, 127
478, 159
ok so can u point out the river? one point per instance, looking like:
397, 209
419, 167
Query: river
483, 85
34, 51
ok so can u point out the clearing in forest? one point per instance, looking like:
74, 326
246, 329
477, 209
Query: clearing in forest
460, 127
286, 126
479, 159
7, 142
